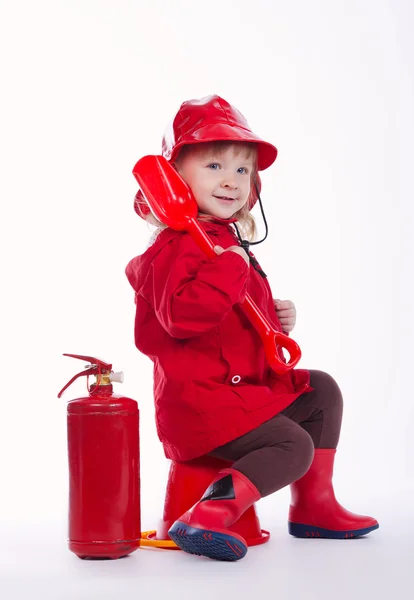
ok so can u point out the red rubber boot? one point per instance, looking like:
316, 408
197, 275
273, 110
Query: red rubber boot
203, 529
314, 510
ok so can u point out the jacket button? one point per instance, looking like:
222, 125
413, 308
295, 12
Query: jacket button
235, 379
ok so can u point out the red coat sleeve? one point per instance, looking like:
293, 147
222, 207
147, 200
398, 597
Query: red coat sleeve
191, 293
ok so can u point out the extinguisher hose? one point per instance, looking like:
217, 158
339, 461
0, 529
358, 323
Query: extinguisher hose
148, 539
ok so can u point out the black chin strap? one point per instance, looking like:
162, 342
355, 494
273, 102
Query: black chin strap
246, 244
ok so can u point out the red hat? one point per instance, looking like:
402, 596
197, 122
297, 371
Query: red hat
208, 119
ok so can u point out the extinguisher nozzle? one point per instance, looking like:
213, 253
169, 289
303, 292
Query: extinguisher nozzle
117, 377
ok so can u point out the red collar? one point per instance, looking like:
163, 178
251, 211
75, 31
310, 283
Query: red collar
216, 223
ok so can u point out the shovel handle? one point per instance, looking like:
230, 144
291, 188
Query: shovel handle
271, 338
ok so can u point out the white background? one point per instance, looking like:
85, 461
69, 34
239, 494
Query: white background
87, 89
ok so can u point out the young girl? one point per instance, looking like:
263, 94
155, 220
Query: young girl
214, 392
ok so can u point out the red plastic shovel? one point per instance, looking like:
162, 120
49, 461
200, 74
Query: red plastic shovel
172, 202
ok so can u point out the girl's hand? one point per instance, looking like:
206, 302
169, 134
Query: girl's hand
286, 311
237, 249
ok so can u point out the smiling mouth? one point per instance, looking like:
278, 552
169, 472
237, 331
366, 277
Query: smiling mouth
226, 198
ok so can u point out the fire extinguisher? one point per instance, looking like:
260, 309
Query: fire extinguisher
104, 474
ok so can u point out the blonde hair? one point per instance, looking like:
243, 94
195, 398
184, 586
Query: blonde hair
244, 218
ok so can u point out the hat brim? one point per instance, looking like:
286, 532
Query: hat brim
218, 132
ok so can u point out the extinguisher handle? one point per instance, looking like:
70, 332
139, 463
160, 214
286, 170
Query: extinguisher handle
96, 361
91, 371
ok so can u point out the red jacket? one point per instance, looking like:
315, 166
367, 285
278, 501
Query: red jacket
212, 382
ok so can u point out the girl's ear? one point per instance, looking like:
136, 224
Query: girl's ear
253, 195
255, 189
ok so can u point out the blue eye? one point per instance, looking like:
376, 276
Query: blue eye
242, 169
213, 165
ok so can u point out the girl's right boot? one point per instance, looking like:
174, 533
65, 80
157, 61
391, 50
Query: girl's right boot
203, 529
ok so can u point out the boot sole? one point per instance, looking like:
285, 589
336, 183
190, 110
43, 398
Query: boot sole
207, 542
309, 531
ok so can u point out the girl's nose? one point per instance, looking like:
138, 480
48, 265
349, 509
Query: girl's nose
229, 182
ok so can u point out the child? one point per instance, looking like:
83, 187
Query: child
214, 392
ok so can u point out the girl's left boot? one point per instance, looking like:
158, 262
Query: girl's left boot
203, 529
314, 510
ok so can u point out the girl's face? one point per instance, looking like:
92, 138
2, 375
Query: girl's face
220, 180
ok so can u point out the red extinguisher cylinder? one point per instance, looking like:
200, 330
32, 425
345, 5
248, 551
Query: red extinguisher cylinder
104, 474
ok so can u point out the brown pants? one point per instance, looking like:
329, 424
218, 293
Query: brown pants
281, 450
